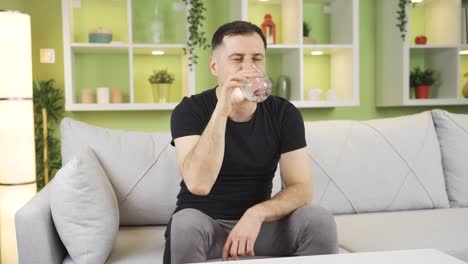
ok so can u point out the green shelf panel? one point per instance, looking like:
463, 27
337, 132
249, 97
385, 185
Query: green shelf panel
161, 21
143, 67
274, 64
417, 58
318, 21
101, 70
108, 14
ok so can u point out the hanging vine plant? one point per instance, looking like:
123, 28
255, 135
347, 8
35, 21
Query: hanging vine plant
402, 17
197, 37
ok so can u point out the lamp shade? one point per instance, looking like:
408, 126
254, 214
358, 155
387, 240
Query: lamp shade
15, 54
17, 148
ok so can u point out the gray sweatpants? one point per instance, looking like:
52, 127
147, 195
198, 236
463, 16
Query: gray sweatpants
309, 230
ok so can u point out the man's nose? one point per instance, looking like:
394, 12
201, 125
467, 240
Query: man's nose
246, 65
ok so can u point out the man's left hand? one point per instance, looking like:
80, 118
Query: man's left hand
241, 240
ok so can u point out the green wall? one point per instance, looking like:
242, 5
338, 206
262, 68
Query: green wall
47, 33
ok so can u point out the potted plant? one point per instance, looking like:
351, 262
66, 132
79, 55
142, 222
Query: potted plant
48, 112
305, 34
465, 87
161, 81
422, 80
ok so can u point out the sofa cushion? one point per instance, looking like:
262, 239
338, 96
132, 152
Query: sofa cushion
137, 245
84, 209
376, 165
141, 166
452, 130
442, 229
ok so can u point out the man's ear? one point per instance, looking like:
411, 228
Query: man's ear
213, 66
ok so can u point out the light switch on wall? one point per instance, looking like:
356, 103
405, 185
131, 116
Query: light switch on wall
47, 56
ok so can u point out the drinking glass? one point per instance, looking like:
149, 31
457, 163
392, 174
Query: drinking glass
257, 89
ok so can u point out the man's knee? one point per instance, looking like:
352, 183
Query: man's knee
191, 224
319, 223
315, 216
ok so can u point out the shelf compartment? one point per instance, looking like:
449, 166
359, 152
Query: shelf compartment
159, 22
331, 22
144, 63
442, 61
285, 14
285, 61
88, 15
318, 71
93, 70
438, 20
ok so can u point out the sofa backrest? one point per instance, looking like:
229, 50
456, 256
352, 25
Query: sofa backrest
142, 168
452, 131
376, 165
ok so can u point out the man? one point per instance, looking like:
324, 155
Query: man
227, 150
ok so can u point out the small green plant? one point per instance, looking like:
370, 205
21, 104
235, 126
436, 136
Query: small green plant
48, 112
196, 34
161, 76
422, 77
305, 29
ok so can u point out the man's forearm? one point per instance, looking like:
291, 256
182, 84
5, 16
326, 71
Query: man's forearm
202, 165
283, 203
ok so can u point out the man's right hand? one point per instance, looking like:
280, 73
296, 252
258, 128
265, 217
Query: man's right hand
231, 94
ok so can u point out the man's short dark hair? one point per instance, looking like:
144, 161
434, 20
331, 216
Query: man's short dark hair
237, 27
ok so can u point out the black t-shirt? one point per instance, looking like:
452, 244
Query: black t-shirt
251, 155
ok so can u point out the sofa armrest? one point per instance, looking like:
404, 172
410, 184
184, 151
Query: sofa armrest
37, 238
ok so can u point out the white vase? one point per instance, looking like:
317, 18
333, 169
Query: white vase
160, 92
315, 94
102, 95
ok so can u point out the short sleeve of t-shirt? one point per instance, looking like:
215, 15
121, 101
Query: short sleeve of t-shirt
292, 130
186, 120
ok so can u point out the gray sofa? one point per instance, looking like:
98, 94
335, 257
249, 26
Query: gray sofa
396, 183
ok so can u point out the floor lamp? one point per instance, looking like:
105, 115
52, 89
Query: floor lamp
17, 149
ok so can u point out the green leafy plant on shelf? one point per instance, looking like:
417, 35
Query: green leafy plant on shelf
420, 77
161, 76
197, 37
48, 112
305, 29
422, 80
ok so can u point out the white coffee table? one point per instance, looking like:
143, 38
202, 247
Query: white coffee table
417, 256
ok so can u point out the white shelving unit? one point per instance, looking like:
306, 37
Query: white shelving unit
440, 21
124, 63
